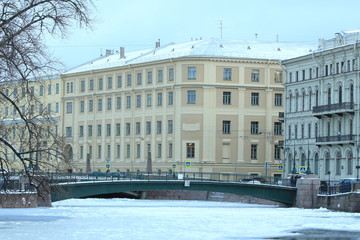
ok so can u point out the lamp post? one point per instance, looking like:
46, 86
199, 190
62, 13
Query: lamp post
294, 167
286, 150
308, 170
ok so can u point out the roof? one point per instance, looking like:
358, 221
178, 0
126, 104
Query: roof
214, 47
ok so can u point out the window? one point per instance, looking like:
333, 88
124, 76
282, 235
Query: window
277, 151
149, 77
82, 86
253, 153
99, 152
170, 98
57, 107
90, 152
278, 99
99, 130
226, 98
158, 127
170, 126
127, 150
137, 128
226, 127
138, 101
82, 106
128, 80
191, 97
170, 150
191, 72
91, 85
159, 150
138, 150
128, 130
255, 99
118, 151
159, 99
171, 74
255, 75
277, 128
109, 83
190, 150
81, 152
69, 107
100, 84
117, 130
160, 75
57, 88
91, 105
128, 101
23, 91
227, 74
148, 100
68, 132
108, 130
108, 105
119, 81
118, 102
108, 152
90, 130
278, 76
81, 131
254, 128
32, 91
99, 104
41, 90
148, 128
138, 78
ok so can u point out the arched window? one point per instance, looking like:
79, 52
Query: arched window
338, 163
310, 93
328, 130
316, 97
340, 94
350, 163
290, 102
303, 100
351, 93
327, 163
316, 164
329, 96
351, 126
296, 101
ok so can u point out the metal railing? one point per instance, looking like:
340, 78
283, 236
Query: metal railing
337, 138
334, 187
336, 107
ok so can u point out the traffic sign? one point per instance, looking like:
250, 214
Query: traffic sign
187, 164
108, 166
173, 166
302, 169
280, 168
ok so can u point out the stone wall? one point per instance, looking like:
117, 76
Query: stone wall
206, 196
346, 202
18, 200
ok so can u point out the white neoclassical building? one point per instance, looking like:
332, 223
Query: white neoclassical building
322, 124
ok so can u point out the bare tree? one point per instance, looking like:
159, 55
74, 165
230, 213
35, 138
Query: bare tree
28, 139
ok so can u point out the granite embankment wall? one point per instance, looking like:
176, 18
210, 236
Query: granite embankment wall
345, 202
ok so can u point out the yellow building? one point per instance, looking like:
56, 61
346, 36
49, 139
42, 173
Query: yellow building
212, 104
35, 111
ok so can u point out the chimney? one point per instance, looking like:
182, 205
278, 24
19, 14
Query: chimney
157, 44
122, 52
108, 52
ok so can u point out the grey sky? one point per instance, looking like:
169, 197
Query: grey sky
138, 24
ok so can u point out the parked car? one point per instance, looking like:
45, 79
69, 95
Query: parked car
345, 184
96, 174
116, 174
254, 180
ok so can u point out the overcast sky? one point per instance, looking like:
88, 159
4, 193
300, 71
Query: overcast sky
138, 24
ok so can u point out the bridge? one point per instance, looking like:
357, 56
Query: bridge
82, 185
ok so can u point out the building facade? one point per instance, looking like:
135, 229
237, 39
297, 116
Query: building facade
206, 105
322, 109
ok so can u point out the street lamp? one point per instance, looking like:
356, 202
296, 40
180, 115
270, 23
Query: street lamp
294, 167
308, 170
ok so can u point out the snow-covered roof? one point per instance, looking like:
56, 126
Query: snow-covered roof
223, 48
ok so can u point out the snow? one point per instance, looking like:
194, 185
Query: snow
224, 48
164, 219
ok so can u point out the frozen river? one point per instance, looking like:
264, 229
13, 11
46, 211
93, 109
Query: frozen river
166, 219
